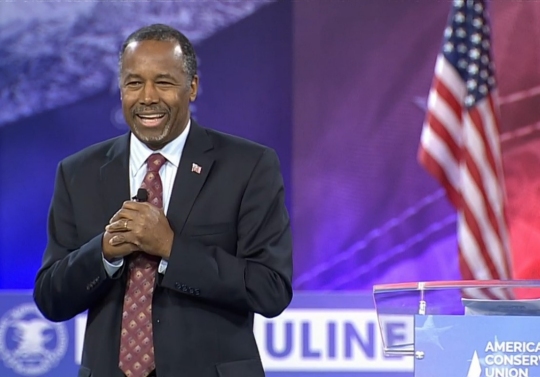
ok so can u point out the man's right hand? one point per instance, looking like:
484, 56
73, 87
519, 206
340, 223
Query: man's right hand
111, 252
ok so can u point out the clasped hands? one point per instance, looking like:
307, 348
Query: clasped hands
137, 226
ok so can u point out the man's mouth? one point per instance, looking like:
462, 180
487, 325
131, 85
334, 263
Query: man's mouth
151, 120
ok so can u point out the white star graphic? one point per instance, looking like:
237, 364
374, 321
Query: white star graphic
429, 333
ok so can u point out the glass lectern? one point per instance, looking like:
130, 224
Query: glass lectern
463, 328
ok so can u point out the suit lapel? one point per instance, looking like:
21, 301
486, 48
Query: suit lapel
114, 174
195, 165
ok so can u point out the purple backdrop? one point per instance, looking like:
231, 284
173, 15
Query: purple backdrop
364, 211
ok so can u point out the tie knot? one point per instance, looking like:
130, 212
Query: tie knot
155, 162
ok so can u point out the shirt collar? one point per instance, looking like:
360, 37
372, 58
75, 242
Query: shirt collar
172, 151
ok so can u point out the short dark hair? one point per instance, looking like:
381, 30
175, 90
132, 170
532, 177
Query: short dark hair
161, 32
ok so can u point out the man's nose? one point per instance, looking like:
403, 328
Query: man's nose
149, 94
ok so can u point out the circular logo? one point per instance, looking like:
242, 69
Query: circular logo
30, 344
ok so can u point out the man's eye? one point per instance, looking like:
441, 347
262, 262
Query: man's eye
164, 83
133, 83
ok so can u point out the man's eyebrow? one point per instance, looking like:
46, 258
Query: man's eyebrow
165, 76
131, 76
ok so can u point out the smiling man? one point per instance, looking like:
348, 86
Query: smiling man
172, 278
157, 87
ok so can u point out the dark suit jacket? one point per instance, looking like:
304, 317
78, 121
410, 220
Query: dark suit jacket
231, 256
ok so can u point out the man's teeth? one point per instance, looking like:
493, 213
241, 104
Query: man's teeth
153, 116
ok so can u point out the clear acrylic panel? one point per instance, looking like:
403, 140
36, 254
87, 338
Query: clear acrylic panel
399, 303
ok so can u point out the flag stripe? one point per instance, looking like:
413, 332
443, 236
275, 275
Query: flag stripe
448, 99
470, 261
476, 220
494, 185
471, 255
431, 165
478, 123
443, 133
483, 176
491, 229
490, 184
493, 114
434, 158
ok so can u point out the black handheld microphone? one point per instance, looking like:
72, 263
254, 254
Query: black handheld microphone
142, 196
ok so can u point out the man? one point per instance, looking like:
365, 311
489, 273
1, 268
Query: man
171, 279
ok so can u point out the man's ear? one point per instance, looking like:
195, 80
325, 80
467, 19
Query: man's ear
194, 88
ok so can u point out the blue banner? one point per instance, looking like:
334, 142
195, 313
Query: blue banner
319, 335
477, 346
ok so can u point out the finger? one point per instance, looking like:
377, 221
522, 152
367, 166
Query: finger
122, 238
121, 225
135, 206
123, 213
117, 240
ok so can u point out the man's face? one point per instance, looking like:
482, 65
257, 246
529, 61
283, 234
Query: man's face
155, 91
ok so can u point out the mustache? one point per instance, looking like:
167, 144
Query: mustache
148, 109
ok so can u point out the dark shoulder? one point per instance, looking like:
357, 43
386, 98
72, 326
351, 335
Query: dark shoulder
237, 147
96, 154
241, 155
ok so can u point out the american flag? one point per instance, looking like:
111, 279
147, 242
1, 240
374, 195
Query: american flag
196, 168
460, 142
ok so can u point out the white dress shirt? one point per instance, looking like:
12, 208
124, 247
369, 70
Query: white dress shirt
138, 155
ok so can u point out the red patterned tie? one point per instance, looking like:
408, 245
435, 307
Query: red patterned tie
136, 342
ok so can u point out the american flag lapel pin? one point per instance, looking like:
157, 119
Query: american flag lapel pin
195, 168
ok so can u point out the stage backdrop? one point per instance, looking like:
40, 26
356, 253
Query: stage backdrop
341, 102
338, 88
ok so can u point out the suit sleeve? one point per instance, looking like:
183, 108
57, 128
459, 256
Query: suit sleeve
258, 278
72, 277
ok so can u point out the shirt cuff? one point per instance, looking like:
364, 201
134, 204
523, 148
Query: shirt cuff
163, 266
112, 267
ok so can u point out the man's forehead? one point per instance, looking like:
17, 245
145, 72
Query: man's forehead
177, 49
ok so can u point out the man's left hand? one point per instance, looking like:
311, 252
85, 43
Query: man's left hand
144, 225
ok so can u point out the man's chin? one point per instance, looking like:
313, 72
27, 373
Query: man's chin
153, 140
